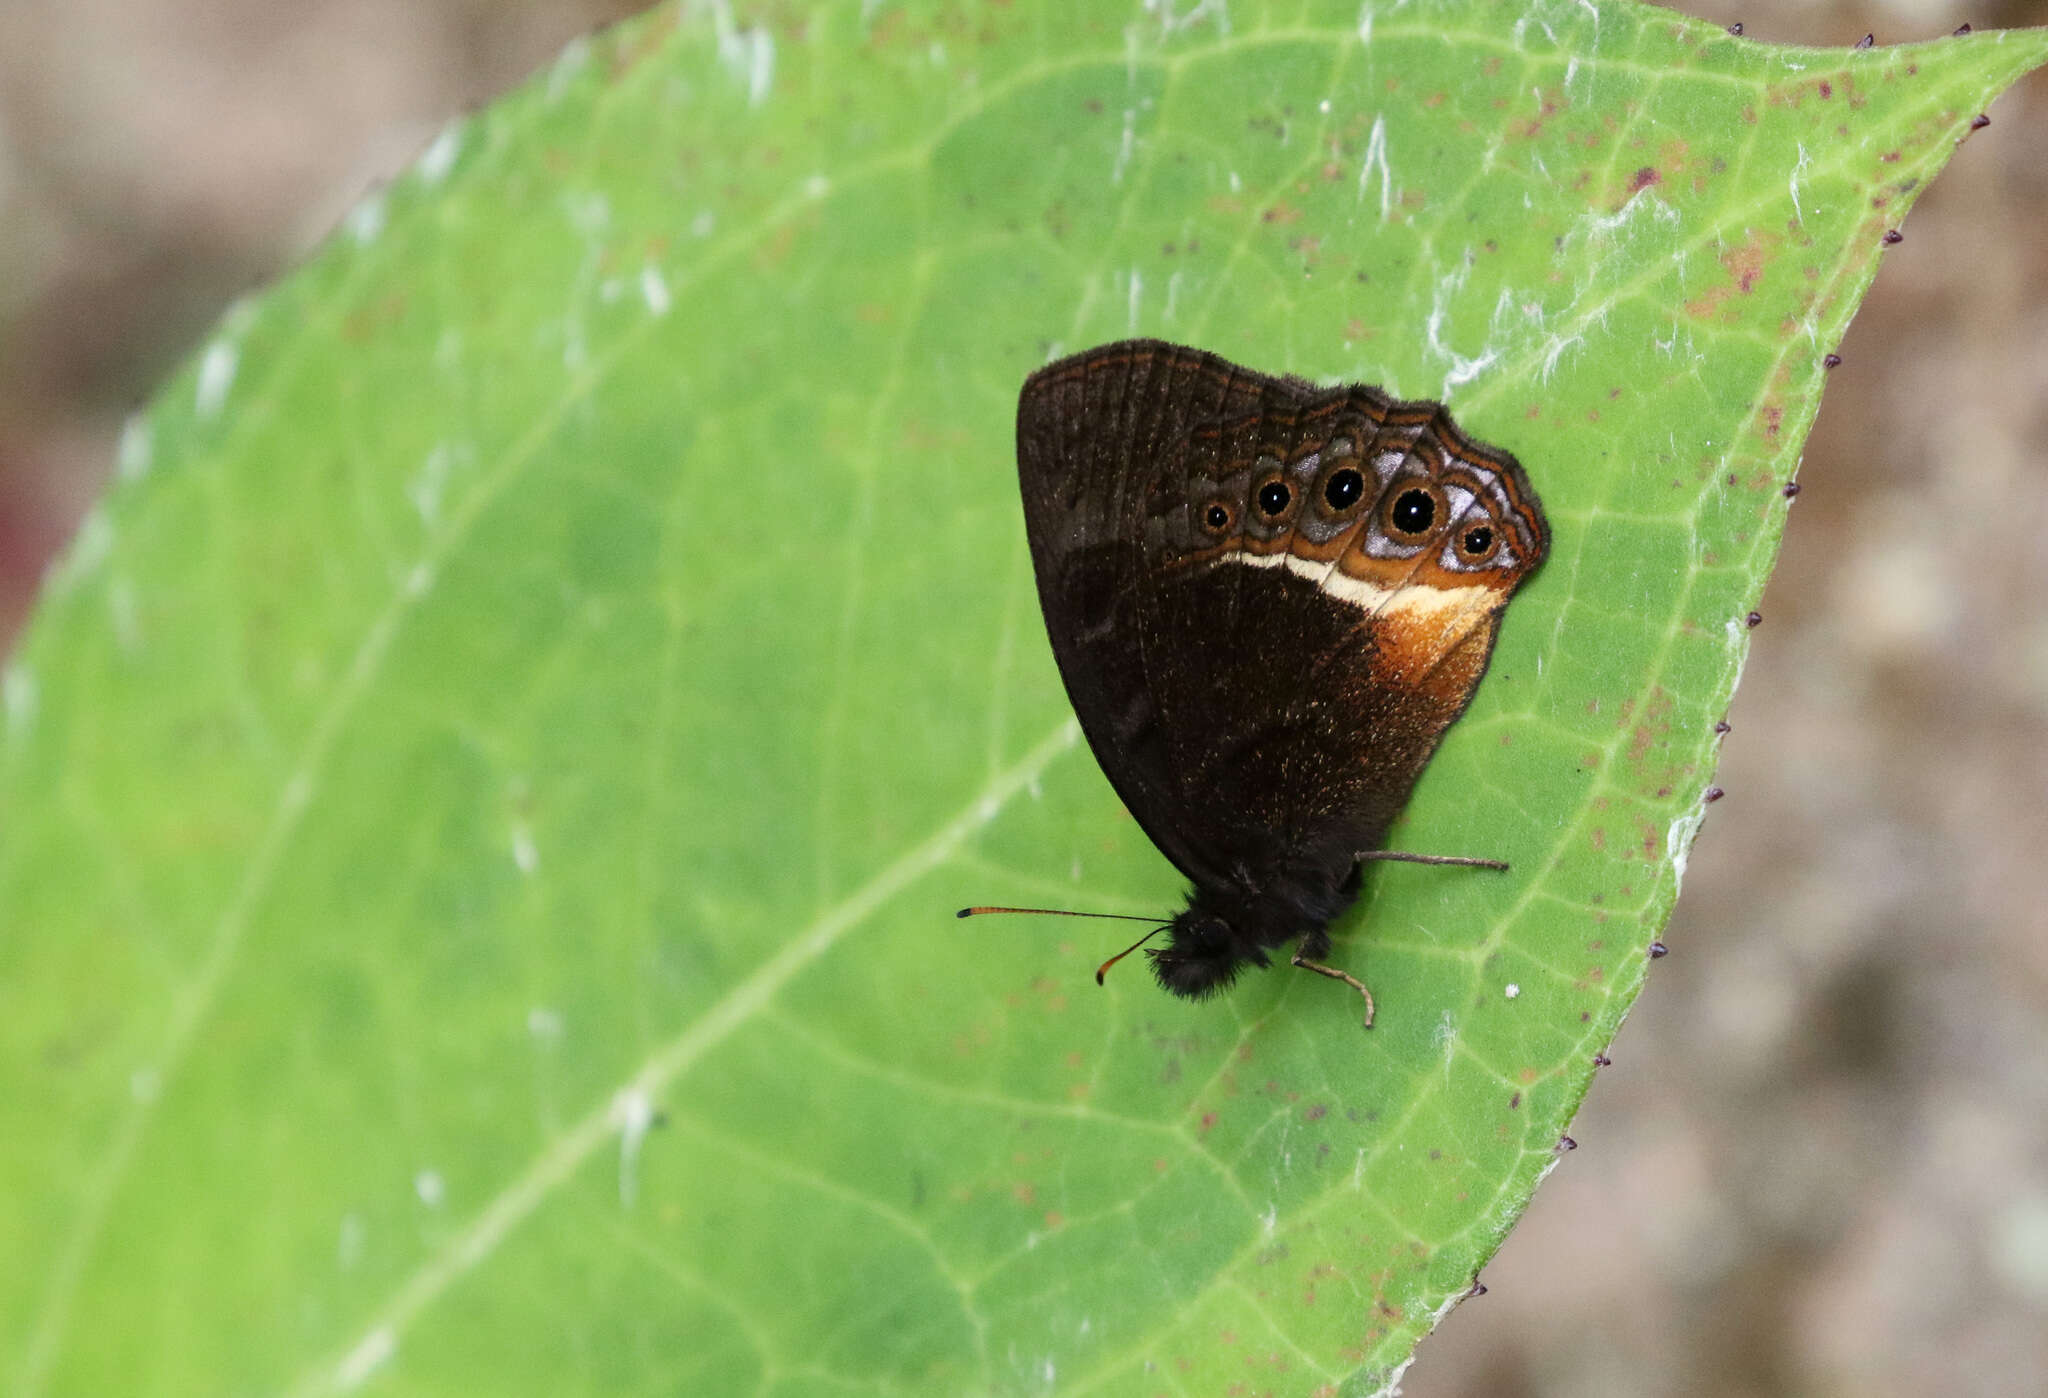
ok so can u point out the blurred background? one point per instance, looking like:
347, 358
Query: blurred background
1819, 1162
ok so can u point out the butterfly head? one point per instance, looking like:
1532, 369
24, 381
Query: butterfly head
1203, 954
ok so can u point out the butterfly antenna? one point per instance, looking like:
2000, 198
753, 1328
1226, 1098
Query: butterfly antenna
1395, 856
1103, 969
978, 910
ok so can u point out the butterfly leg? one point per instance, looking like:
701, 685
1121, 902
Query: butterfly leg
1300, 959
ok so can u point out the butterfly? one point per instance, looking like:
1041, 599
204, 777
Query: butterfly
1267, 600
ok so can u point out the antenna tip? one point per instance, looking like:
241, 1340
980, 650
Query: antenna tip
964, 912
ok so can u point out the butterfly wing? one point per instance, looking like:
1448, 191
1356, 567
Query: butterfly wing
1267, 600
1093, 432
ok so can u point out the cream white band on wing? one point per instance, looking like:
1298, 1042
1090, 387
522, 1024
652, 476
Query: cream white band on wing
1412, 599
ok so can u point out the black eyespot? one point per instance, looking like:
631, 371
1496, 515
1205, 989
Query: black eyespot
1217, 517
1479, 541
1273, 498
1343, 489
1413, 512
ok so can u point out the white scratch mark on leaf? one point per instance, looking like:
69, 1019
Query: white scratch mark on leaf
424, 490
431, 1188
525, 857
19, 699
1678, 842
1125, 146
544, 1023
1792, 184
1512, 991
654, 290
635, 1113
439, 158
1376, 157
366, 220
216, 377
1137, 291
570, 62
90, 548
748, 54
1462, 369
136, 453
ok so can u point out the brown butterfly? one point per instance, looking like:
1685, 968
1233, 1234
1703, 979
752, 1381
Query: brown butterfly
1268, 601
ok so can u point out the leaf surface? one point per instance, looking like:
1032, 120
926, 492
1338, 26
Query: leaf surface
481, 806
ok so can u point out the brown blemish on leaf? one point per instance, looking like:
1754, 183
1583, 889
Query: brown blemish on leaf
1654, 727
1599, 837
1745, 267
1531, 128
364, 323
1281, 213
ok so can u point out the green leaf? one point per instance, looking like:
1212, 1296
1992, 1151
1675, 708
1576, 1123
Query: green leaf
481, 807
